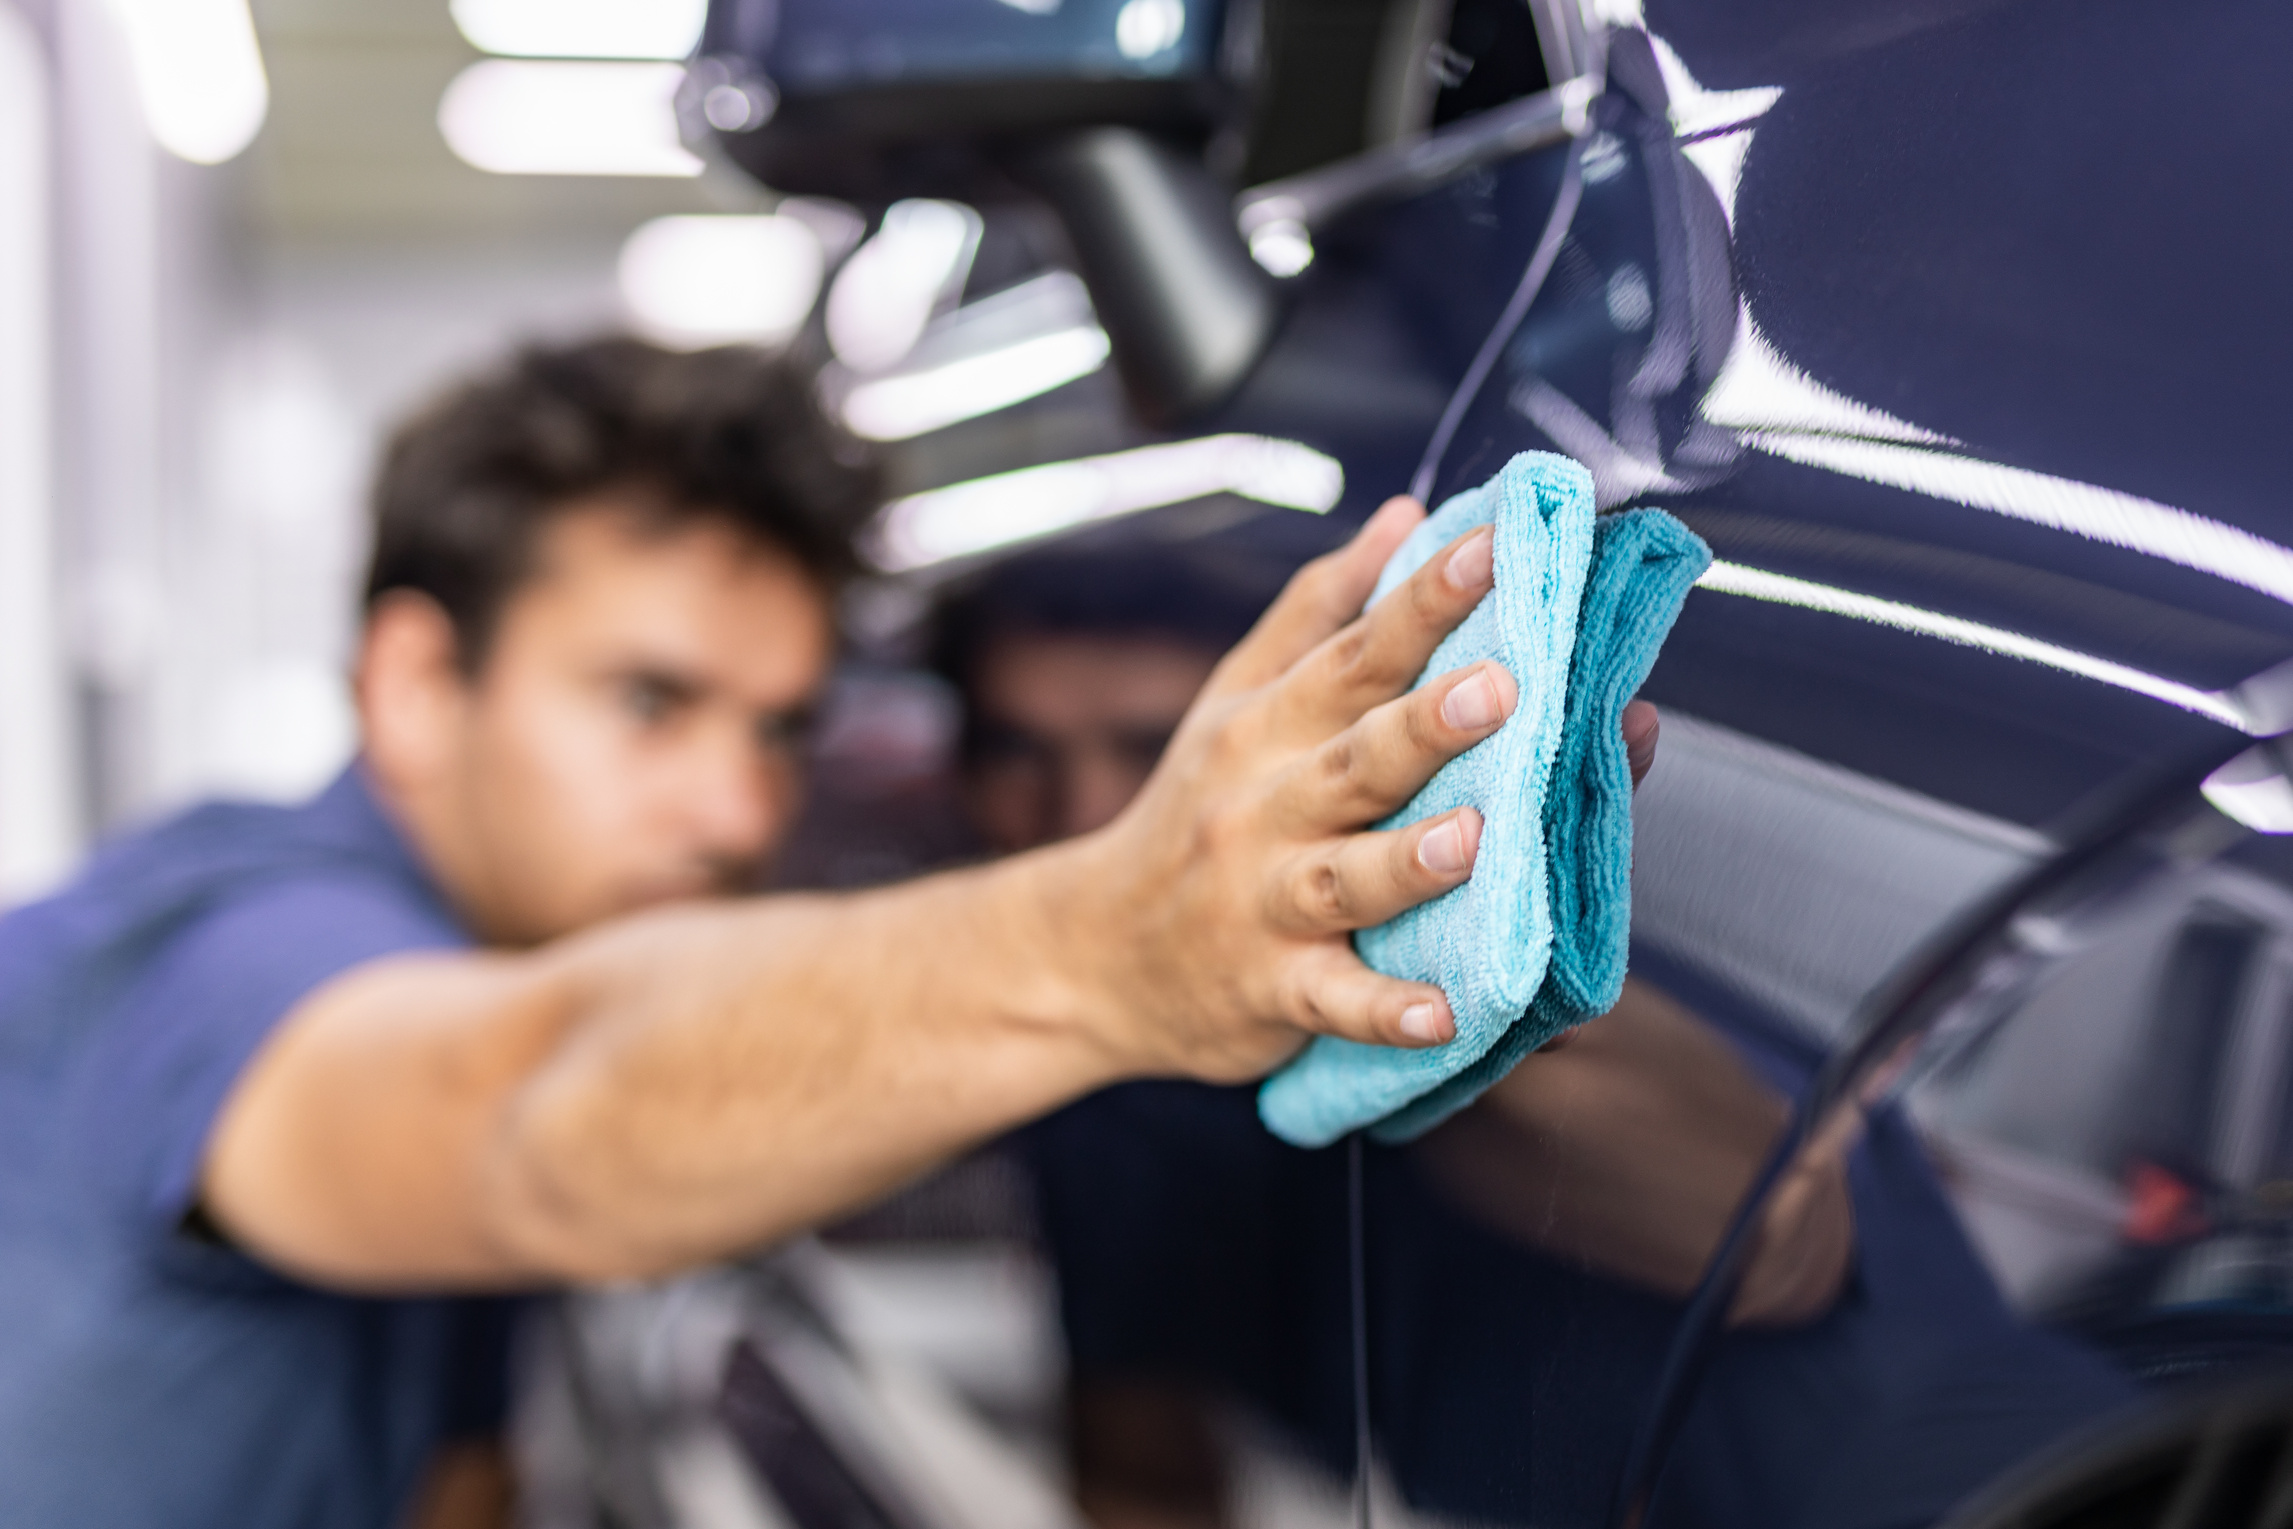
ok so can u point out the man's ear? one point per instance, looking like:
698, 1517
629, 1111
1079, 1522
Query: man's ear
411, 691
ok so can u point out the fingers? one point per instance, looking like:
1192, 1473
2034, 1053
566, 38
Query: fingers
1376, 658
1366, 879
1640, 729
1319, 599
1387, 757
1333, 993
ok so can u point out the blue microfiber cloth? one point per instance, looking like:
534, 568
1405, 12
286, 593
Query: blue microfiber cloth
1535, 942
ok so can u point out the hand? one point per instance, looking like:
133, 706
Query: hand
1641, 726
1212, 919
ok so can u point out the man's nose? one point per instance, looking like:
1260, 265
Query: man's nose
735, 806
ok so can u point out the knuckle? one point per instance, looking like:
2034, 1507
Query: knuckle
1341, 764
1326, 898
1308, 1009
1349, 651
1428, 592
1422, 724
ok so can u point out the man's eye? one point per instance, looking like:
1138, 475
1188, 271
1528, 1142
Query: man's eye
648, 700
995, 743
790, 732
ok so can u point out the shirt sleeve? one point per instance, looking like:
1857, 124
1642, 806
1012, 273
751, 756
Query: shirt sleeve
187, 1028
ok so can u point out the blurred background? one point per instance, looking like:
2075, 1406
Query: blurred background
236, 243
237, 239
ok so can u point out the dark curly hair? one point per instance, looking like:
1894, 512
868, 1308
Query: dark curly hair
469, 482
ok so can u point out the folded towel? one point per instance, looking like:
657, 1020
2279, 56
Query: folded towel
1534, 943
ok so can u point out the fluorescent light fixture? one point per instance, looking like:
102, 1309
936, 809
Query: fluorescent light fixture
2082, 509
1758, 584
1283, 246
198, 74
913, 403
669, 29
1144, 28
886, 294
985, 513
710, 280
529, 117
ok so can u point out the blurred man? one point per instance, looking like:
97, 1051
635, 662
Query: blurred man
276, 1085
1194, 1260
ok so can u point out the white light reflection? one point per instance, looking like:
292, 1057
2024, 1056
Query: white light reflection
664, 29
1759, 390
2083, 509
2252, 789
528, 117
198, 74
1758, 584
985, 513
702, 280
912, 403
1693, 109
1720, 158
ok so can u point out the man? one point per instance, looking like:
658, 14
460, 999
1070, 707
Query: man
483, 1016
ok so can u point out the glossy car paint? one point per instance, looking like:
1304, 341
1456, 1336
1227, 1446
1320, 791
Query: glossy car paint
1956, 330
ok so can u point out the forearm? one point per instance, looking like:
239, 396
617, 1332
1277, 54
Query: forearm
698, 1080
728, 1075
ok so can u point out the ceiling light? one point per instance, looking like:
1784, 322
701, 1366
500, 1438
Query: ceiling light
668, 29
526, 117
710, 280
912, 266
198, 73
969, 518
1282, 246
1144, 28
914, 403
1758, 584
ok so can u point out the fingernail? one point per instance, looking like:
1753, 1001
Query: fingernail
1444, 850
1473, 703
1472, 565
1426, 1024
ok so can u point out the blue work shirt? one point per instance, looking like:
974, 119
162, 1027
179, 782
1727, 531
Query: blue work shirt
149, 1375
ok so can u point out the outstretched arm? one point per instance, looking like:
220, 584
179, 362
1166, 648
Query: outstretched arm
674, 1086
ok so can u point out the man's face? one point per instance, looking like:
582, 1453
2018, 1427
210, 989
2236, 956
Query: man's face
634, 734
1069, 728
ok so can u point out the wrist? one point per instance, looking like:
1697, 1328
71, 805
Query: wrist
1068, 923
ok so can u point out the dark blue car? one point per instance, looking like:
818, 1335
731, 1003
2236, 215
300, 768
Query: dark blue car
1941, 1159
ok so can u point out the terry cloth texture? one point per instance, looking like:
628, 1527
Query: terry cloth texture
1535, 942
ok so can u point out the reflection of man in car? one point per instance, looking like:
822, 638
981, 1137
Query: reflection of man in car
279, 1088
1622, 1151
